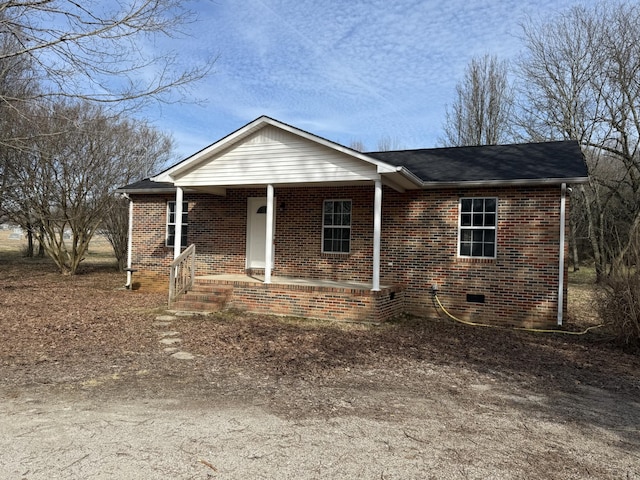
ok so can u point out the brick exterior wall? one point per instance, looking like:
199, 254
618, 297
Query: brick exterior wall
419, 246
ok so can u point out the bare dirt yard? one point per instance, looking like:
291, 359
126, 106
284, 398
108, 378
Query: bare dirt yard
91, 388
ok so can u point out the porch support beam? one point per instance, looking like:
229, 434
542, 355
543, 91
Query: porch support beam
268, 244
178, 236
377, 233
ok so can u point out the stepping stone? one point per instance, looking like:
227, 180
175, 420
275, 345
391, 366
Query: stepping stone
183, 356
170, 341
168, 334
161, 324
170, 349
165, 318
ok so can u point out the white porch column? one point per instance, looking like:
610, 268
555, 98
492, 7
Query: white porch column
178, 236
268, 243
377, 233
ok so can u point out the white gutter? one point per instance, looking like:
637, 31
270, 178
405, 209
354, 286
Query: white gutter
563, 203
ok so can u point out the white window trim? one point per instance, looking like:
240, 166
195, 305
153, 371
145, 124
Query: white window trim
494, 228
185, 206
336, 226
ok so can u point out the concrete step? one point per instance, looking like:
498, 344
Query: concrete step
204, 297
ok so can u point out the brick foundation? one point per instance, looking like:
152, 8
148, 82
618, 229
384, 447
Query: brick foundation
324, 303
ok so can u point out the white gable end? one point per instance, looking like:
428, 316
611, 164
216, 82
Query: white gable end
274, 156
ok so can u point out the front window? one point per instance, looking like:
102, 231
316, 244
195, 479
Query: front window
477, 227
171, 224
336, 226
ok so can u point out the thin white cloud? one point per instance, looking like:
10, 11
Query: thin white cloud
358, 70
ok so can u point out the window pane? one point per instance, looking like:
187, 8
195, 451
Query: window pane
490, 236
328, 207
465, 220
476, 249
478, 204
478, 220
490, 205
477, 235
465, 235
490, 220
183, 237
466, 205
465, 249
489, 250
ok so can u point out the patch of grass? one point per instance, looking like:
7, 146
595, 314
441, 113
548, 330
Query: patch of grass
585, 276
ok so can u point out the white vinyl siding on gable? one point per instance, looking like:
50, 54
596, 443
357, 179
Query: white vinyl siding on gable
271, 155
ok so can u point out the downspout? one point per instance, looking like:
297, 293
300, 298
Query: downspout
563, 214
377, 233
129, 241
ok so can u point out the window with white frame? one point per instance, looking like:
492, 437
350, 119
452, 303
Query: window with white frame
336, 226
171, 224
478, 222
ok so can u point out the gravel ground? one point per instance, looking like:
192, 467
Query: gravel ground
91, 389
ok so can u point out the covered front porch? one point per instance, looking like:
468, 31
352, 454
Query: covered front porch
304, 212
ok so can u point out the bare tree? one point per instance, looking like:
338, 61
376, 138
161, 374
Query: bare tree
95, 50
581, 80
387, 143
65, 180
357, 145
149, 149
481, 112
106, 53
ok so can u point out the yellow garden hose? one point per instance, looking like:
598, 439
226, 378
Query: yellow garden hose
538, 330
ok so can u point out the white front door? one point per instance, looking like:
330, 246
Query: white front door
256, 231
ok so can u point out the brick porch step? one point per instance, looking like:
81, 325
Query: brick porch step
203, 297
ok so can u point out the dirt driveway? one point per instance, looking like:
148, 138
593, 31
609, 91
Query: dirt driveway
91, 389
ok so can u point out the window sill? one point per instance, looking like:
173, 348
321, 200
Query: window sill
476, 260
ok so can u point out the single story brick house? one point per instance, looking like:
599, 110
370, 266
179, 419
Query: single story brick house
279, 220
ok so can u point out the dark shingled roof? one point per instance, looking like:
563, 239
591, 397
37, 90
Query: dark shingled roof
561, 161
147, 186
519, 162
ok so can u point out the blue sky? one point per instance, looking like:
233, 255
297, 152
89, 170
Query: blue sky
350, 70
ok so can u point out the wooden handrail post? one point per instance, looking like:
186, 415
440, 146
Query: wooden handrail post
182, 273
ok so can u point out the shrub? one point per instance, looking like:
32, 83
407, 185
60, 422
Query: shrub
619, 305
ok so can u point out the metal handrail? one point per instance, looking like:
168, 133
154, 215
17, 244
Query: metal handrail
183, 273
